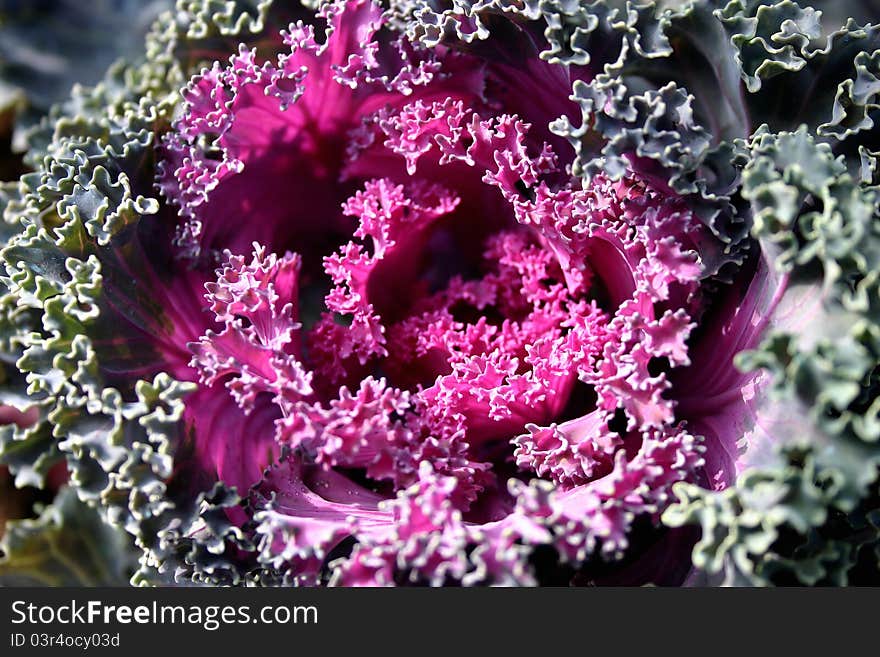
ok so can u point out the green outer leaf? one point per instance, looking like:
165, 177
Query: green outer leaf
803, 510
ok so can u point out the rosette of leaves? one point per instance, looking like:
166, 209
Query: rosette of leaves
725, 358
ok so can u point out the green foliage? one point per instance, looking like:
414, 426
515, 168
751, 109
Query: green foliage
807, 511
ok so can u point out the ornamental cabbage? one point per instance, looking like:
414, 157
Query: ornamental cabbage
493, 293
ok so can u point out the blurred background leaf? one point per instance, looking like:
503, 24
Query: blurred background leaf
47, 46
66, 545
